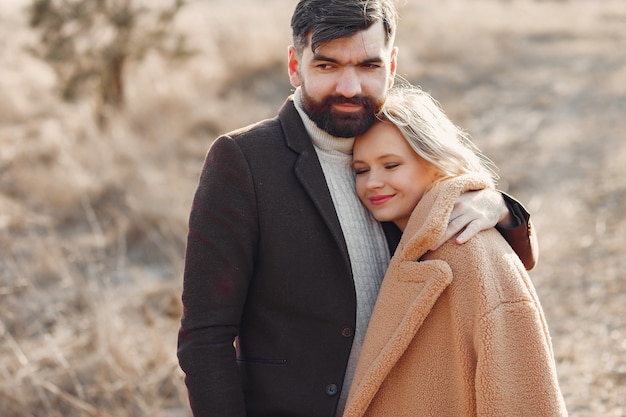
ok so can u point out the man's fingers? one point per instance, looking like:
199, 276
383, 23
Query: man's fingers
454, 226
473, 211
469, 232
460, 224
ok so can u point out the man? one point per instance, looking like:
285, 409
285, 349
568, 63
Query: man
282, 260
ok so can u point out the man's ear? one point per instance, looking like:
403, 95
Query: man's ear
392, 66
293, 67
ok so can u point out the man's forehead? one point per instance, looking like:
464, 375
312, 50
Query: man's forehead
368, 44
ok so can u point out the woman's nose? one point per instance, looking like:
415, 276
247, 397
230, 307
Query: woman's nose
374, 182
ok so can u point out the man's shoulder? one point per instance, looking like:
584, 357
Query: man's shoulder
273, 127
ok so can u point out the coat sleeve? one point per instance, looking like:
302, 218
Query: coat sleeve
516, 373
218, 267
521, 237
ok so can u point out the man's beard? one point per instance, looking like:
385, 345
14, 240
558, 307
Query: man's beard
338, 123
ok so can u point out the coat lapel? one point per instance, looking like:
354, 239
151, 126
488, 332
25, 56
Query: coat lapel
309, 172
408, 293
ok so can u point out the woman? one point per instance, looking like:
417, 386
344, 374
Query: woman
457, 331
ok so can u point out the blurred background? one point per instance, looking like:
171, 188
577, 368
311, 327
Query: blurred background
107, 108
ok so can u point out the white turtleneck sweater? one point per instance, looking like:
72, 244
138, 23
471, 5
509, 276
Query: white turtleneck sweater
367, 246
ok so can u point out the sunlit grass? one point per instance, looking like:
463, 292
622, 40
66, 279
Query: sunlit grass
93, 223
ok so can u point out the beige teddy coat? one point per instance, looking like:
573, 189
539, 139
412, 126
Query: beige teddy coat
455, 332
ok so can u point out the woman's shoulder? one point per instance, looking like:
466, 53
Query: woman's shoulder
488, 264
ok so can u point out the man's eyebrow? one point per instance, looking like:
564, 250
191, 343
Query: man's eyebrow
320, 57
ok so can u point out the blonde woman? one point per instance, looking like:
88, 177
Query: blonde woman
457, 331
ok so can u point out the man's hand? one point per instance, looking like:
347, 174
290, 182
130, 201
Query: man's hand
473, 212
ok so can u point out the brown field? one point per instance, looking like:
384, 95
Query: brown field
93, 225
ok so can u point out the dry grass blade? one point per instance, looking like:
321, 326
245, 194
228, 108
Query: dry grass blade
78, 404
93, 223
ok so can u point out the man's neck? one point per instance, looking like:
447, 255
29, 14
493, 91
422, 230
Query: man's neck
320, 138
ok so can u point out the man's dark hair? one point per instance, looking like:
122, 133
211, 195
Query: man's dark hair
328, 20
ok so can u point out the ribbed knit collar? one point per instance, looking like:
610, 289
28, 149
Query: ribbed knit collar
320, 138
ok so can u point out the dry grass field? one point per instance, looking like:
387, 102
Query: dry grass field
93, 224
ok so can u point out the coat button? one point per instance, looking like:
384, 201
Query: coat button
331, 390
347, 331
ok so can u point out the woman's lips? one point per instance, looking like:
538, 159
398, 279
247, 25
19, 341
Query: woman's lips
380, 199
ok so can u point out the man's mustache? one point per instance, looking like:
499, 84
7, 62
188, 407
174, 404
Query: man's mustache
358, 100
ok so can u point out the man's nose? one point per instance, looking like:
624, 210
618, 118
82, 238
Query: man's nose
348, 84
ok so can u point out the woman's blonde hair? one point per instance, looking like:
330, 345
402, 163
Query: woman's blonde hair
432, 135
